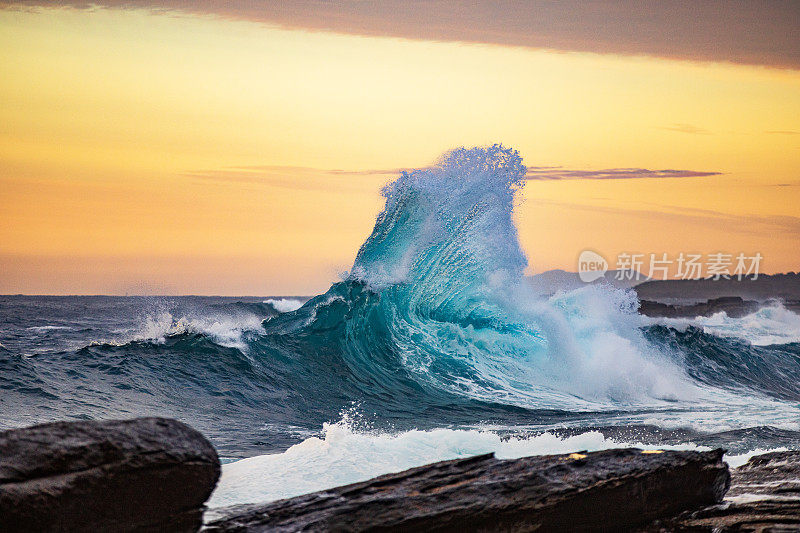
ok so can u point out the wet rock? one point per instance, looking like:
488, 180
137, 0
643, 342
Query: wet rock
146, 474
609, 490
764, 497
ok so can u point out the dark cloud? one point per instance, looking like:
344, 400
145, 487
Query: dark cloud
756, 32
557, 173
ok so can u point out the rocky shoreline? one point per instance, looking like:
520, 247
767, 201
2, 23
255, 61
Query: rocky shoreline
764, 496
155, 474
733, 306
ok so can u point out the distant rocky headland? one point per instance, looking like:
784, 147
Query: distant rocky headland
733, 306
705, 297
688, 298
784, 287
154, 474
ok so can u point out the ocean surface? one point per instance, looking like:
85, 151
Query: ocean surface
434, 346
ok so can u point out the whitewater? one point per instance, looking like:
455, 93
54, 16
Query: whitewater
434, 346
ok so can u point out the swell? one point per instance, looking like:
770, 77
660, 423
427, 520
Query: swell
280, 388
303, 368
773, 370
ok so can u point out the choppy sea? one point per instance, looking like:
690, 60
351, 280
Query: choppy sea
433, 347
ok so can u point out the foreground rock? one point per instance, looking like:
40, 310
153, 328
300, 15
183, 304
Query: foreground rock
146, 474
764, 496
608, 490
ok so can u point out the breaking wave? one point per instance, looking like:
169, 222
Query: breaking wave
437, 335
772, 324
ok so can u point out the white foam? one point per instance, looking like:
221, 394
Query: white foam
735, 461
284, 305
225, 330
597, 351
737, 414
343, 456
773, 324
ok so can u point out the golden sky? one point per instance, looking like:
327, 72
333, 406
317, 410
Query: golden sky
169, 153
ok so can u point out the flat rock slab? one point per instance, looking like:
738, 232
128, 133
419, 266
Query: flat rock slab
609, 490
764, 497
146, 474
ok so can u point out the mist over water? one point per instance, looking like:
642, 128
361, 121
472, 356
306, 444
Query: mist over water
434, 346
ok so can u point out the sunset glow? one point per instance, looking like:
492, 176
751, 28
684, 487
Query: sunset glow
148, 152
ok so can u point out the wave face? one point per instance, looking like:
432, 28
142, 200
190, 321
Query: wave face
434, 336
437, 301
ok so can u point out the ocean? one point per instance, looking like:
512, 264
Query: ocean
433, 346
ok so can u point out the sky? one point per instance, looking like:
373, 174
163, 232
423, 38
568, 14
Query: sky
239, 148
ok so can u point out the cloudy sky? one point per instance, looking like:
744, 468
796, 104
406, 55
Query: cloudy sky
230, 147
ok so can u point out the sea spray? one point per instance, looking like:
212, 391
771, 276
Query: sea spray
342, 455
439, 287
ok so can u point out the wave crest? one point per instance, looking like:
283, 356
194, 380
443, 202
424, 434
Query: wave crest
437, 294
